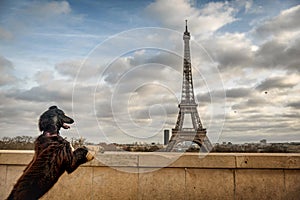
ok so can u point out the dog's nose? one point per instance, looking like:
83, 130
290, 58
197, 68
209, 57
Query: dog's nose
71, 120
68, 120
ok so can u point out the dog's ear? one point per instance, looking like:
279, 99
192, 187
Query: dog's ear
46, 123
42, 123
48, 120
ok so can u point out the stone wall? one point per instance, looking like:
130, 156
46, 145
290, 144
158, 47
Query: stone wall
168, 176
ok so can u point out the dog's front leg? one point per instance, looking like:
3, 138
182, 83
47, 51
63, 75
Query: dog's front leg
80, 156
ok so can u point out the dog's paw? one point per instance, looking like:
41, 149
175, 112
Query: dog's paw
89, 156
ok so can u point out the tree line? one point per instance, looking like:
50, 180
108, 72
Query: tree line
27, 142
17, 143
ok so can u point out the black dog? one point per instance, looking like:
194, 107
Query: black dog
53, 156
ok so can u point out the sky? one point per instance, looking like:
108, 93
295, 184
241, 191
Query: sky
115, 67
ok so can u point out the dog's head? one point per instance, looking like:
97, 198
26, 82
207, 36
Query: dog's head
53, 119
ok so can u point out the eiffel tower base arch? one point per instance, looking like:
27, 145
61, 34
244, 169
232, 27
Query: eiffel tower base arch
199, 137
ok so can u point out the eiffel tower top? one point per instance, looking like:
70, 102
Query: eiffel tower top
187, 96
186, 29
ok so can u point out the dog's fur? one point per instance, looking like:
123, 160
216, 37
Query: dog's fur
53, 156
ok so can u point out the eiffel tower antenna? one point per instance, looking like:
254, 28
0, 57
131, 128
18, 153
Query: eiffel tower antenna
188, 107
186, 30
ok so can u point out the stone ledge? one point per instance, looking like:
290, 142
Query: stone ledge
15, 157
187, 160
123, 175
175, 160
268, 160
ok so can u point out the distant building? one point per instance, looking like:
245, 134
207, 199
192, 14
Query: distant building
260, 147
263, 141
166, 136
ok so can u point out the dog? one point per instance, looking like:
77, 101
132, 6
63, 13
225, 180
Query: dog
53, 156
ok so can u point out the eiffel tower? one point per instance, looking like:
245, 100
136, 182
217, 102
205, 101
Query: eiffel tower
188, 108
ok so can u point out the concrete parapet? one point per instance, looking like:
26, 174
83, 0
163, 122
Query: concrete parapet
168, 176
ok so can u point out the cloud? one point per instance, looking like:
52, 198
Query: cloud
286, 24
41, 94
5, 63
169, 59
230, 50
5, 34
48, 9
295, 105
248, 6
233, 93
44, 77
280, 55
238, 92
252, 103
280, 41
208, 19
128, 73
238, 51
6, 75
212, 97
48, 89
33, 17
276, 83
82, 70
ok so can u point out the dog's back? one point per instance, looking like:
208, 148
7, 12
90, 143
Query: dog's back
45, 169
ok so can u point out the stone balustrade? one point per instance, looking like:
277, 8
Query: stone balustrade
115, 175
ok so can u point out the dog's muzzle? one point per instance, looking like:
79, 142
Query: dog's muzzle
67, 120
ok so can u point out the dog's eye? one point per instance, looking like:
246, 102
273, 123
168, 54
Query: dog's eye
60, 112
